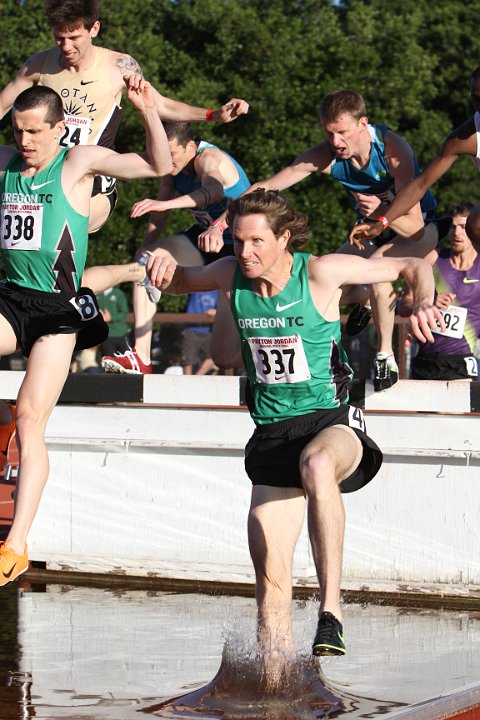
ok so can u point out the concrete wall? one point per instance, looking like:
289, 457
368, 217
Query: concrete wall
158, 488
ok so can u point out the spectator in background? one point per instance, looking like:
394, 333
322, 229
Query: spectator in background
113, 305
196, 338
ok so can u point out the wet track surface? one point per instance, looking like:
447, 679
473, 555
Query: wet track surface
78, 652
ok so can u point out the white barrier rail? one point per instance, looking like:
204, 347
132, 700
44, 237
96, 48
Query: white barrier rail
156, 487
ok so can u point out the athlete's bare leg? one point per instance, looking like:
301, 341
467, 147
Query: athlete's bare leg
37, 397
274, 523
144, 311
383, 297
356, 294
327, 460
225, 342
8, 345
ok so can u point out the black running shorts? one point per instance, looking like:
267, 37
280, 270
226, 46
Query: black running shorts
33, 314
273, 452
437, 366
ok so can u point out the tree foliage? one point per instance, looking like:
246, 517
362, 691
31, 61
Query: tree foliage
411, 60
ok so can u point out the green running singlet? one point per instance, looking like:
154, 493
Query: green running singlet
293, 356
43, 239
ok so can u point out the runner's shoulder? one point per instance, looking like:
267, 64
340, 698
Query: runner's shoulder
124, 64
462, 139
33, 66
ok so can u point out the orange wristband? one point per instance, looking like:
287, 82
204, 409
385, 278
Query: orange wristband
384, 222
209, 116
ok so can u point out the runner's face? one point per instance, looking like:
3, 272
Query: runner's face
181, 155
258, 251
36, 139
458, 237
75, 44
345, 135
475, 94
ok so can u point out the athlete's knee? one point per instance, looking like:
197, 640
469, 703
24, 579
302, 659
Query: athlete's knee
30, 423
317, 468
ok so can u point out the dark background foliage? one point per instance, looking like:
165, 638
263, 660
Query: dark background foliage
411, 61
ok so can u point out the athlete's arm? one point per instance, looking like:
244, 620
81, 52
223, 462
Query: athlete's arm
155, 162
209, 170
331, 272
315, 159
461, 142
27, 76
170, 109
400, 160
158, 220
174, 279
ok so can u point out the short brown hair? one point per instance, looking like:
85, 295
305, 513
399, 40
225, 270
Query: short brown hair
462, 208
180, 131
342, 102
39, 95
71, 14
278, 211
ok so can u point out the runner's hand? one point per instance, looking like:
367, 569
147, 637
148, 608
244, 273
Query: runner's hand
423, 320
160, 269
139, 91
211, 240
444, 300
366, 204
364, 231
147, 206
231, 110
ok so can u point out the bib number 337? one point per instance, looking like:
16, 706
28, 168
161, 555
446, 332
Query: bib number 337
279, 359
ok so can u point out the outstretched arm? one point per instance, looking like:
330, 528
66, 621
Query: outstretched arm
330, 272
158, 220
170, 109
164, 273
460, 142
315, 159
27, 76
155, 162
213, 182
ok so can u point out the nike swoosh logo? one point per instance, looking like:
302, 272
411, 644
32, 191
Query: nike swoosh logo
37, 187
8, 575
86, 82
280, 308
470, 280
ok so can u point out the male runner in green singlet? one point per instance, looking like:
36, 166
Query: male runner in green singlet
45, 199
308, 442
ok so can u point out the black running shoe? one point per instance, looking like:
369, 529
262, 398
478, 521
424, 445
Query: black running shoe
358, 320
329, 638
386, 372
